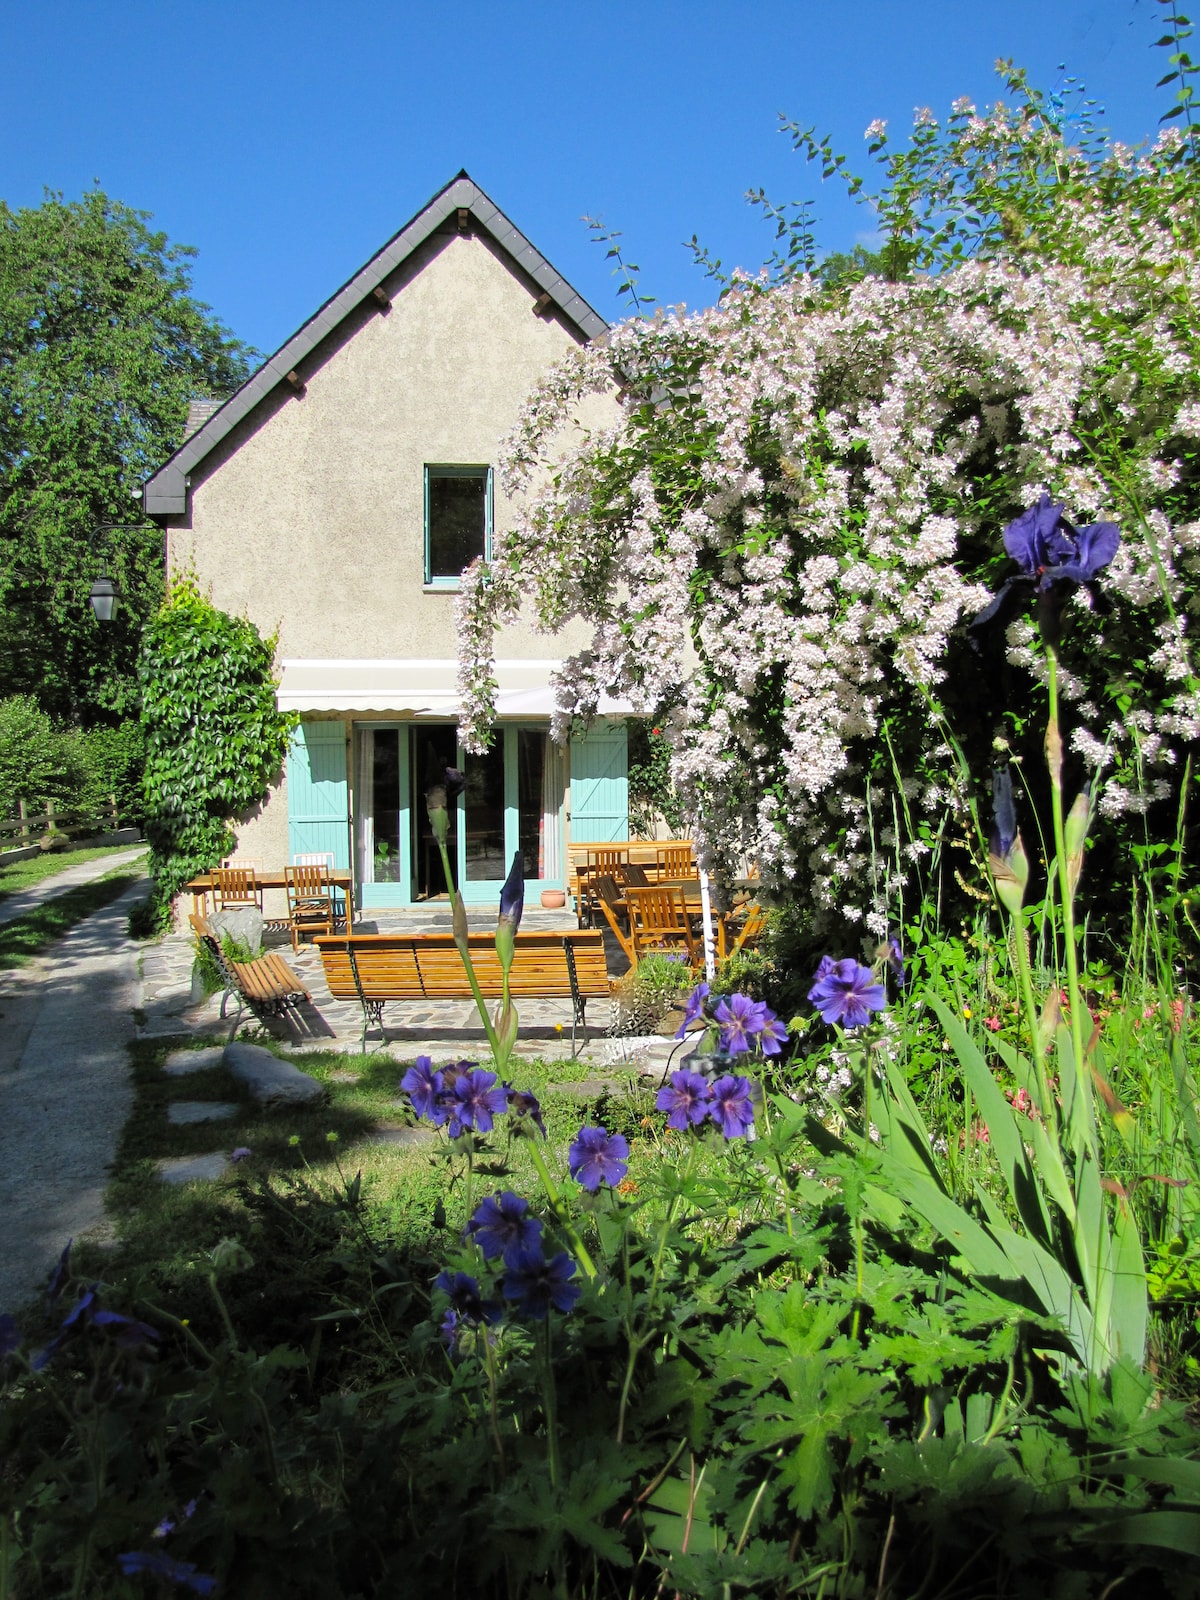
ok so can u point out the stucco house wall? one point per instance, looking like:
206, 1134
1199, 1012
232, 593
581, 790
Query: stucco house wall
301, 505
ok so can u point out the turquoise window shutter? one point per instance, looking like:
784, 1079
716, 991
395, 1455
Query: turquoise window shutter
317, 796
600, 783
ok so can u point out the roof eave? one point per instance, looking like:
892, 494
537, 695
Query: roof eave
165, 493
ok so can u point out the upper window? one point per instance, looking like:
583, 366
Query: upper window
458, 520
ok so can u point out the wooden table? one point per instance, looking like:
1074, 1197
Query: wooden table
201, 887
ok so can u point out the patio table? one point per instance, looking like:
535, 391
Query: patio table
203, 885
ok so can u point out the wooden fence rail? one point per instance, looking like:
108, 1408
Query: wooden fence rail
32, 823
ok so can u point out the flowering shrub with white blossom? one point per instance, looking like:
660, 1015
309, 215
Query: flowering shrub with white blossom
780, 544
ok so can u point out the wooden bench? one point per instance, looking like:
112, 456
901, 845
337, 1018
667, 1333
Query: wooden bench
374, 968
267, 984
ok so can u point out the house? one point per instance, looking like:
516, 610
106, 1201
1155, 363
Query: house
335, 499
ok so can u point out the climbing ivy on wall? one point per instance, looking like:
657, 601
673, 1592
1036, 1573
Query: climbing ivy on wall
214, 737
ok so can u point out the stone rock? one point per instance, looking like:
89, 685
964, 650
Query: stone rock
403, 1137
180, 1062
244, 925
182, 1112
594, 1088
193, 1169
271, 1082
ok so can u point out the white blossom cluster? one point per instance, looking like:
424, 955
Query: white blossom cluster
777, 543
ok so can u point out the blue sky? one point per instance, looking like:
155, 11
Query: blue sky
289, 141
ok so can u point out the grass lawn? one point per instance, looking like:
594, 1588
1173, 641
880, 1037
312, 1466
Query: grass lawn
18, 875
27, 936
415, 1192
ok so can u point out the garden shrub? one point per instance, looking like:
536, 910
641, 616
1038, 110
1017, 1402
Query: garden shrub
214, 738
77, 770
808, 485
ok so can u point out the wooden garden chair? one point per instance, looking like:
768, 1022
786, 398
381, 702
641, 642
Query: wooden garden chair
608, 898
309, 899
235, 886
634, 876
658, 921
675, 861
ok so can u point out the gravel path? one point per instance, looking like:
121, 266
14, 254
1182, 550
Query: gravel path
25, 900
66, 1020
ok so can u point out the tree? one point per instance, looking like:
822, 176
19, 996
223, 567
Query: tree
102, 346
809, 484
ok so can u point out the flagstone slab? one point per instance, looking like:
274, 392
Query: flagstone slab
180, 1062
193, 1169
184, 1112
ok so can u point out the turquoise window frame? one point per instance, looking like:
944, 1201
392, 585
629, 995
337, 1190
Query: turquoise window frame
433, 470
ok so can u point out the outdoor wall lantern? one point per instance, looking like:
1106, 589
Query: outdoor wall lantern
104, 593
103, 596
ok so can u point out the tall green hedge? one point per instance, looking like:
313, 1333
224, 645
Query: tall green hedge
214, 737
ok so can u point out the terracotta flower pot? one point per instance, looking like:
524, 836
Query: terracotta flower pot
553, 899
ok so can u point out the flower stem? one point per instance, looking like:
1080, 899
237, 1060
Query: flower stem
464, 951
560, 1210
1066, 891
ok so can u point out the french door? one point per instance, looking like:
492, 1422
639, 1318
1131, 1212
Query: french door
512, 804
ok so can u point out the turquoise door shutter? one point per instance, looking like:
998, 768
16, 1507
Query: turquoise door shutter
318, 804
600, 783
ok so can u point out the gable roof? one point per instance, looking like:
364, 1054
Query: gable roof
165, 494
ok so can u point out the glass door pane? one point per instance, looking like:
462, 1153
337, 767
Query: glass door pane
484, 853
531, 778
385, 807
433, 750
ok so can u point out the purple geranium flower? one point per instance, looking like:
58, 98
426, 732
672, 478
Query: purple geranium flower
467, 1307
597, 1157
1051, 550
732, 1106
694, 1009
741, 1020
845, 992
423, 1087
685, 1099
772, 1033
476, 1101
523, 1104
537, 1284
241, 1153
502, 1226
160, 1565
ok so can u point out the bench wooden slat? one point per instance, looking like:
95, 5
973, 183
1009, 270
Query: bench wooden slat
377, 967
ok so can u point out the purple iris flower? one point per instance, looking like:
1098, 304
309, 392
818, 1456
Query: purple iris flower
537, 1284
845, 992
443, 785
160, 1565
741, 1020
523, 1104
685, 1099
502, 1226
1050, 549
597, 1157
732, 1106
512, 896
1004, 813
476, 1101
423, 1087
895, 960
694, 1010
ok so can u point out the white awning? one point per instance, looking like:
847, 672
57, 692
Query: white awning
405, 690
